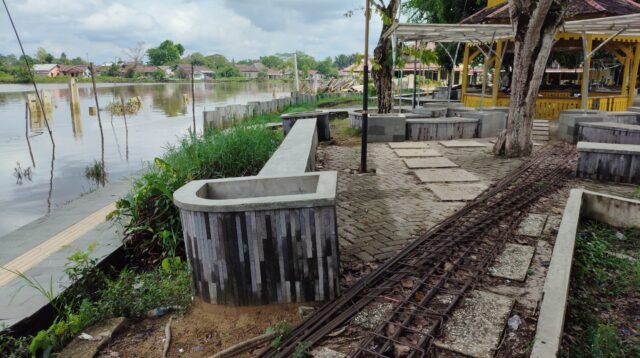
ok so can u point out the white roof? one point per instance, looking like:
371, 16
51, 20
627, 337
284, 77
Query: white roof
44, 67
630, 24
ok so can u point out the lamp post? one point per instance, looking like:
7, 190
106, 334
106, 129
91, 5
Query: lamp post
365, 93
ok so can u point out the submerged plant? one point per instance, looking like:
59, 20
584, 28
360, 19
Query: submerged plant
21, 174
96, 172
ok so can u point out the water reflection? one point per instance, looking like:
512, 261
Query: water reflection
132, 140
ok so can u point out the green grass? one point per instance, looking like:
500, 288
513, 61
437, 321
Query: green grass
595, 324
95, 171
152, 223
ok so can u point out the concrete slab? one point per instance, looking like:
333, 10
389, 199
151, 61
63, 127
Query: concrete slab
475, 328
408, 145
435, 162
417, 153
445, 176
461, 144
532, 225
513, 262
457, 192
101, 332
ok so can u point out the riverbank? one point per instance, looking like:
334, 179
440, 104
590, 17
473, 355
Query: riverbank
8, 79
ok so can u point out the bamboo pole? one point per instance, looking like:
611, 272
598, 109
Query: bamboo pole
193, 102
95, 96
26, 132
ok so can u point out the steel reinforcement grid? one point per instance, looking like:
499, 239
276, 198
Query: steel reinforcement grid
428, 278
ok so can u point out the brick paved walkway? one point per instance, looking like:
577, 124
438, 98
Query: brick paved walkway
379, 214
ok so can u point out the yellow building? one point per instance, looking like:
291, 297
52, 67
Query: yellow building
591, 26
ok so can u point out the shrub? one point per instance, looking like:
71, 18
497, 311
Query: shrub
152, 223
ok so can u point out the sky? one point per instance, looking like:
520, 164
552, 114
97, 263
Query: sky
238, 29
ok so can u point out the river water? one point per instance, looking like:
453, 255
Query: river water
163, 118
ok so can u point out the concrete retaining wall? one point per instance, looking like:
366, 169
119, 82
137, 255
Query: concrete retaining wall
297, 152
227, 116
609, 162
616, 211
442, 128
609, 132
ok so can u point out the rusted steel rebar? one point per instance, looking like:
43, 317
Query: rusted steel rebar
442, 265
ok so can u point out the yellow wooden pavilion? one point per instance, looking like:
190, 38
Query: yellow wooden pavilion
590, 26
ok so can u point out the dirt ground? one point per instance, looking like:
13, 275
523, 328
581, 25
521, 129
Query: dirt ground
204, 330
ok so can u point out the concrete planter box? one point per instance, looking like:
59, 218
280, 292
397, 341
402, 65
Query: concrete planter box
442, 128
324, 126
460, 111
609, 162
262, 240
567, 125
623, 117
492, 122
389, 127
609, 132
440, 93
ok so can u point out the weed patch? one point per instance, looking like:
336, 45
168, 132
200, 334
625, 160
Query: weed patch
604, 299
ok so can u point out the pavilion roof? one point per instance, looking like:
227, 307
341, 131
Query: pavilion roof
629, 25
576, 10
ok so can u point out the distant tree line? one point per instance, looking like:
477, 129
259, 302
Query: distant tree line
169, 53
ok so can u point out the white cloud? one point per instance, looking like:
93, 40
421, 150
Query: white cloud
236, 28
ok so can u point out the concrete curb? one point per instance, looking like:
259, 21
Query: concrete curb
613, 210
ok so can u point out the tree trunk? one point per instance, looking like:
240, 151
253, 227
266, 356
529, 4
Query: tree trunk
383, 60
536, 23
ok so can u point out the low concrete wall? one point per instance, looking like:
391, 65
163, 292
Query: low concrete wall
227, 116
431, 112
609, 132
624, 117
567, 124
442, 128
609, 162
297, 153
616, 211
382, 127
323, 123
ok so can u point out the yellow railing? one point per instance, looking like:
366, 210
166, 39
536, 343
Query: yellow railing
550, 107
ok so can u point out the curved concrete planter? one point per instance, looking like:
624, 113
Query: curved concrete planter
624, 117
442, 128
389, 127
569, 119
609, 162
324, 126
431, 112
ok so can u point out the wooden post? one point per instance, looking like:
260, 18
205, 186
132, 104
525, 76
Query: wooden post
634, 76
496, 72
625, 75
465, 72
587, 44
193, 102
26, 132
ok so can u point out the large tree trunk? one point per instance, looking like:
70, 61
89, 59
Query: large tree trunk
383, 60
536, 23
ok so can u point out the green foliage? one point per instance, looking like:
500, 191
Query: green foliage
283, 329
11, 347
133, 294
152, 223
166, 53
442, 12
273, 61
302, 350
599, 278
96, 172
342, 60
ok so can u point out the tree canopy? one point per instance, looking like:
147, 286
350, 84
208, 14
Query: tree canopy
166, 53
